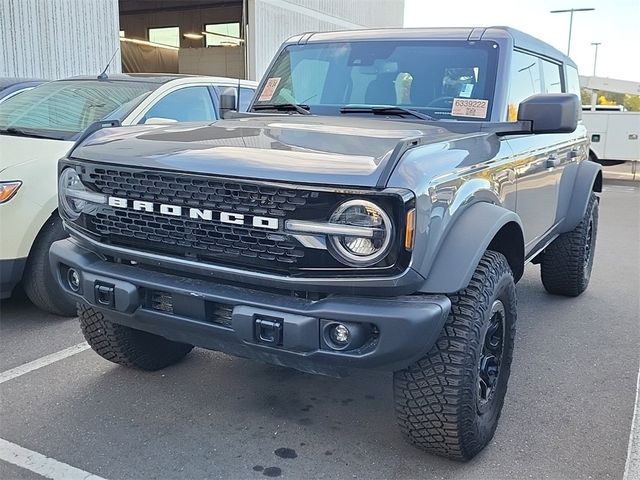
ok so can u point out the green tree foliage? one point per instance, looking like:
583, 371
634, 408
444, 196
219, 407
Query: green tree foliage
630, 102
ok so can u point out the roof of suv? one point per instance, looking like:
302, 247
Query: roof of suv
520, 39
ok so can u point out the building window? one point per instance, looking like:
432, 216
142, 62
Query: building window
226, 34
165, 36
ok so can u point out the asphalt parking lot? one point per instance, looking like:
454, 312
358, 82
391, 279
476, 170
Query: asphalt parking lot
567, 415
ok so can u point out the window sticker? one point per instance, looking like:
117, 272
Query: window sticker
466, 90
467, 107
269, 89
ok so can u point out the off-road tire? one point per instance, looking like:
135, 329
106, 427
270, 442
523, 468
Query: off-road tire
566, 263
438, 398
127, 346
38, 281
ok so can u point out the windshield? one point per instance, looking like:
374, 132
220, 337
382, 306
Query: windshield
65, 108
433, 77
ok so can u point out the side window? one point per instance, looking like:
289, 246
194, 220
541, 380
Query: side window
246, 95
573, 81
191, 104
551, 74
525, 81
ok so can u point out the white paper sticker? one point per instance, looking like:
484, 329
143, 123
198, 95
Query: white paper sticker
468, 107
269, 89
466, 90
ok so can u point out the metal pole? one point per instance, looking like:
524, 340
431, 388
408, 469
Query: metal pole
595, 57
570, 11
570, 29
594, 93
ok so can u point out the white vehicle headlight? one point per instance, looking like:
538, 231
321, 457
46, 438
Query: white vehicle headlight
73, 196
370, 238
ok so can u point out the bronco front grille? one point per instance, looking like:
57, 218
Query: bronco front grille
212, 241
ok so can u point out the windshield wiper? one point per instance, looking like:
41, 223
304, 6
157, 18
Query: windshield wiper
387, 110
19, 132
287, 107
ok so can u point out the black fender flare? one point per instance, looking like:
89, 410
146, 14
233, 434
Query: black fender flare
588, 179
466, 241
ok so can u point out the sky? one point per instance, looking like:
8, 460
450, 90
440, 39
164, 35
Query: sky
614, 23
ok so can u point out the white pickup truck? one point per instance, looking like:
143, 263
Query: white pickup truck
615, 140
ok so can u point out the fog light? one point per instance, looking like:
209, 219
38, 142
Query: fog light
73, 278
340, 334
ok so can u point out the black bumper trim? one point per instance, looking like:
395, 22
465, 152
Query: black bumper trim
402, 284
407, 326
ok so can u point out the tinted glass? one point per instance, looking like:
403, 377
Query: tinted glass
65, 108
191, 104
551, 72
246, 95
525, 80
573, 81
425, 76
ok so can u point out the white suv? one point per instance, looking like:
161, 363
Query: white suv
40, 126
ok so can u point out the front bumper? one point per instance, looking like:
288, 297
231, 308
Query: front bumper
271, 327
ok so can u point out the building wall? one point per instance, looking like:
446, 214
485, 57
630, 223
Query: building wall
54, 39
273, 21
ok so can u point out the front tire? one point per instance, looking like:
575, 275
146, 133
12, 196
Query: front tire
449, 402
127, 346
566, 263
38, 281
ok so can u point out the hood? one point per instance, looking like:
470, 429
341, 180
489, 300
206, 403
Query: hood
346, 150
18, 150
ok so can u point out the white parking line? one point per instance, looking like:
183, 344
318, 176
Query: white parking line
42, 362
38, 463
632, 467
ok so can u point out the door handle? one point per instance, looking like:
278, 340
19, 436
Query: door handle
552, 162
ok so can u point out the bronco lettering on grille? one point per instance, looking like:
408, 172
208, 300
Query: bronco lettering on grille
196, 213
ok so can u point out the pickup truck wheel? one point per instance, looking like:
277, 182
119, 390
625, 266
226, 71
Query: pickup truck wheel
38, 281
449, 402
566, 263
127, 346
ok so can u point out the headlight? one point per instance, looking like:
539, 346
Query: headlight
8, 190
369, 233
73, 196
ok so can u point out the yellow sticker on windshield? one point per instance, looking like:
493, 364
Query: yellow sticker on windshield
469, 107
269, 89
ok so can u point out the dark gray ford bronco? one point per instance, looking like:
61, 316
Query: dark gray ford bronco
374, 209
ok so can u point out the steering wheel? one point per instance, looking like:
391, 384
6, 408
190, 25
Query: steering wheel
441, 102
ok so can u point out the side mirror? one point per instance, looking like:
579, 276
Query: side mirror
228, 101
159, 121
551, 112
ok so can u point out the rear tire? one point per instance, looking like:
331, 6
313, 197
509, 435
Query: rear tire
127, 346
566, 263
38, 281
449, 402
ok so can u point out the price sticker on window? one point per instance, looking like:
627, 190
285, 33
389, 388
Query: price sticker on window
469, 107
269, 89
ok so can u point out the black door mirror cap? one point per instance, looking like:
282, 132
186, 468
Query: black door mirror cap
228, 101
551, 112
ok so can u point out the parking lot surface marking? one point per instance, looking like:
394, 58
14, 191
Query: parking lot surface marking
40, 464
42, 362
632, 467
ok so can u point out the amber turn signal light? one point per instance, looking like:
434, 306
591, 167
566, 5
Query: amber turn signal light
409, 233
8, 190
